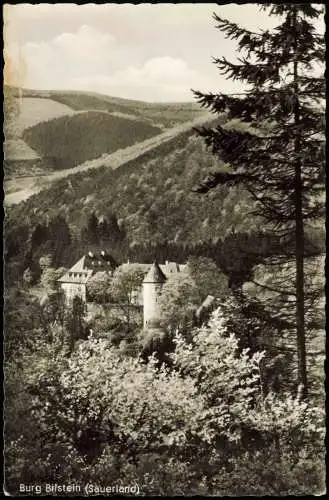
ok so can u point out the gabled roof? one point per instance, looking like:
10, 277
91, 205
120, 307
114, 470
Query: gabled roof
78, 266
77, 273
82, 270
155, 275
74, 276
99, 260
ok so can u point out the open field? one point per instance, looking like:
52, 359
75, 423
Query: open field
17, 149
165, 115
36, 110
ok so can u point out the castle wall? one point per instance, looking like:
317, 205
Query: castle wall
72, 290
151, 296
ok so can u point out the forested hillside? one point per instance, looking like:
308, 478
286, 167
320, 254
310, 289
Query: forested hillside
147, 208
165, 115
135, 211
210, 381
151, 196
70, 140
158, 114
44, 119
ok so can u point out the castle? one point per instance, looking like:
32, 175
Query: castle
75, 281
152, 286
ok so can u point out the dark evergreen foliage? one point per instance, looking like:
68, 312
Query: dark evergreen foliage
279, 154
70, 140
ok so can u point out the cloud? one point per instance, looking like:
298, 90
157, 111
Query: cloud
51, 64
87, 44
158, 70
89, 59
145, 51
86, 50
153, 52
158, 79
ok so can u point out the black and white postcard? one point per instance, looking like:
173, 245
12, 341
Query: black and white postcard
164, 249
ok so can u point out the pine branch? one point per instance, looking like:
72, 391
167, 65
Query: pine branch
281, 163
233, 30
261, 104
254, 74
276, 290
219, 178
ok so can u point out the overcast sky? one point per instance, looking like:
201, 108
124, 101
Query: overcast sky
147, 51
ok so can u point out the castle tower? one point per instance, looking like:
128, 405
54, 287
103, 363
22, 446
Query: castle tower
152, 286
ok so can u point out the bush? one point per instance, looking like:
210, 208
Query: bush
201, 426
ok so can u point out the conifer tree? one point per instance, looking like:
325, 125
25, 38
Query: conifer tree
278, 150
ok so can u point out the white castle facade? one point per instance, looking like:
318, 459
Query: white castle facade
152, 287
75, 282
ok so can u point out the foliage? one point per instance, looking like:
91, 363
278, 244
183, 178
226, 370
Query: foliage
53, 308
259, 331
126, 285
178, 300
151, 197
99, 286
102, 231
208, 277
22, 318
45, 261
184, 292
127, 279
275, 142
201, 426
74, 322
71, 140
49, 278
272, 287
156, 341
28, 277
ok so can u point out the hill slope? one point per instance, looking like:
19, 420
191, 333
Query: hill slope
36, 110
164, 115
151, 195
71, 140
20, 189
27, 109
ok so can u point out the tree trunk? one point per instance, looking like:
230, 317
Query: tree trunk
299, 240
300, 313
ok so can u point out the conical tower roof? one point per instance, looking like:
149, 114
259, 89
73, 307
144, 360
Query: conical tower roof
155, 275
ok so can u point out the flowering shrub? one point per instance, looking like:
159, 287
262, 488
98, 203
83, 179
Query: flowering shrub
202, 426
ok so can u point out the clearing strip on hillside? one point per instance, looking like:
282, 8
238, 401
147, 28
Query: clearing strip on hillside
114, 160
